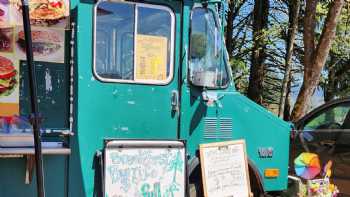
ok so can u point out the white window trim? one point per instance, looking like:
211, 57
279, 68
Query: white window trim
172, 45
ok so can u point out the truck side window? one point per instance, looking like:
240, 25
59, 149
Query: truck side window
207, 67
337, 117
133, 43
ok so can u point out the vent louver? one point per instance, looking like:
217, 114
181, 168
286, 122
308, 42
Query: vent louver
217, 128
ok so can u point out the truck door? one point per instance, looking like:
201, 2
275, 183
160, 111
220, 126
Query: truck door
206, 79
133, 90
127, 58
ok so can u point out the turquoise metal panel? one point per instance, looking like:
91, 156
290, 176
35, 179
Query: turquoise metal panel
12, 172
117, 110
250, 121
261, 129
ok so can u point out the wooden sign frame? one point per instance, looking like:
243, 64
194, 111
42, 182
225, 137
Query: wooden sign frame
219, 145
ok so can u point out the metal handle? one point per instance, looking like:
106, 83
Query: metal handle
175, 100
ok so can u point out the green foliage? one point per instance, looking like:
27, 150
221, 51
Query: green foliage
240, 72
339, 61
275, 39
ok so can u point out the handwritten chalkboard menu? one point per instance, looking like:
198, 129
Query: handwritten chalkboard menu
225, 169
144, 168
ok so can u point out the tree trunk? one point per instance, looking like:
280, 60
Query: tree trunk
234, 8
314, 59
330, 88
287, 107
256, 77
287, 104
294, 6
229, 28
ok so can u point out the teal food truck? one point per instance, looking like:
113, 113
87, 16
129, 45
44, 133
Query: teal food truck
154, 69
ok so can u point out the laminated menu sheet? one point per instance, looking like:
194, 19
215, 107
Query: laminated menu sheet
225, 169
151, 58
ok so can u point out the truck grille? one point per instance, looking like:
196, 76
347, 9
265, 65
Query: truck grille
217, 128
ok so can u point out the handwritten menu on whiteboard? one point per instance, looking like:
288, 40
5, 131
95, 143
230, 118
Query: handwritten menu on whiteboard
144, 169
225, 169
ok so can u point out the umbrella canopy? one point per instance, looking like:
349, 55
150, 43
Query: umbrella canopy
307, 165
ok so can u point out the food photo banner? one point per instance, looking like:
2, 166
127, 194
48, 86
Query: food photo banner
43, 13
49, 20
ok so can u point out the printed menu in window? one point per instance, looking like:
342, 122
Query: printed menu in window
151, 58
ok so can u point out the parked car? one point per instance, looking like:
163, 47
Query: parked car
326, 132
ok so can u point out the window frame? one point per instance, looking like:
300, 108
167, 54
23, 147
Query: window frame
172, 44
300, 124
321, 112
227, 69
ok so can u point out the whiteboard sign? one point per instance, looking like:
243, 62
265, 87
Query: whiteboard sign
144, 169
225, 169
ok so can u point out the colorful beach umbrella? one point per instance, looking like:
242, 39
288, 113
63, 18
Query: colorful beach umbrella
307, 165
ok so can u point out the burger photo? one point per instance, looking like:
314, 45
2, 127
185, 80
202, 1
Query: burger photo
44, 42
8, 77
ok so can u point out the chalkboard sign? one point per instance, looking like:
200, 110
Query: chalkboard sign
144, 169
53, 93
225, 169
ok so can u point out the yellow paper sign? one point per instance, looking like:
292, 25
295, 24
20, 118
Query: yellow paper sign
151, 58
